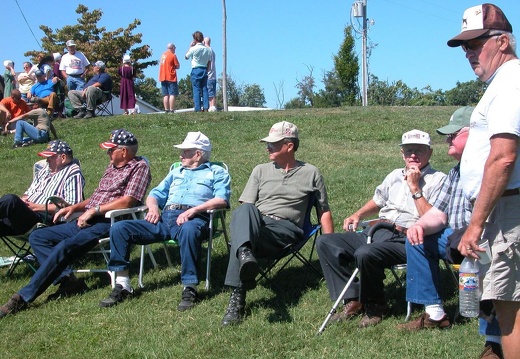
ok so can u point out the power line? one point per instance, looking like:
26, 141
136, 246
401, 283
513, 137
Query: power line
29, 26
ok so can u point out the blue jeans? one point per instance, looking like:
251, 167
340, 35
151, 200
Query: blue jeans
423, 280
39, 136
55, 248
189, 236
199, 82
75, 83
212, 88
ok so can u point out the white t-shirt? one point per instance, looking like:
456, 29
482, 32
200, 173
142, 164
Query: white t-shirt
497, 112
74, 64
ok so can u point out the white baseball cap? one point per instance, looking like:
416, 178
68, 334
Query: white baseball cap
196, 140
416, 137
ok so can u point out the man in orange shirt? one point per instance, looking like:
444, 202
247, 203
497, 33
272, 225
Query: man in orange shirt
11, 107
168, 77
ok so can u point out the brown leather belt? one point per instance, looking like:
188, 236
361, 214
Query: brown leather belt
511, 192
400, 229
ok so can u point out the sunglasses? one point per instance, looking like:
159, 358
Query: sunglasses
475, 44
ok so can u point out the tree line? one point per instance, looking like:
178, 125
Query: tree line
340, 85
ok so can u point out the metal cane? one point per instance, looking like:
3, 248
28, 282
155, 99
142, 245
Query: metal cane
373, 229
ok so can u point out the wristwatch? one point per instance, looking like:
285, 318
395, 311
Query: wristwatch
98, 209
417, 195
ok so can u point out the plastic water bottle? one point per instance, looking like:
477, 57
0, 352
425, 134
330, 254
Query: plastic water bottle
469, 288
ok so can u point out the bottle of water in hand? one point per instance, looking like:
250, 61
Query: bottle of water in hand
469, 288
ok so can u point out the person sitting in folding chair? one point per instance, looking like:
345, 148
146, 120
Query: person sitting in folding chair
184, 195
123, 185
401, 199
272, 214
61, 177
94, 90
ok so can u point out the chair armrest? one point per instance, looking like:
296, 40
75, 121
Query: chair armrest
120, 212
216, 210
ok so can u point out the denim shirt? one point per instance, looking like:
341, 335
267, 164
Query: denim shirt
193, 186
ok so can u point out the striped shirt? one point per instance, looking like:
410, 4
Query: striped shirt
67, 183
451, 200
130, 180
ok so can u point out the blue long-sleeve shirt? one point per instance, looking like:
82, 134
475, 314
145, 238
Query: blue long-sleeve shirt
193, 186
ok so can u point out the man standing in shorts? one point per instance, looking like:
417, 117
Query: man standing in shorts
212, 78
168, 77
490, 165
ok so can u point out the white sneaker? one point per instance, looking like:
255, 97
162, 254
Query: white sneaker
212, 109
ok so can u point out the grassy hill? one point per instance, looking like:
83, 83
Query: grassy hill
353, 147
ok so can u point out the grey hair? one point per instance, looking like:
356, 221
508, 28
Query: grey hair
205, 155
510, 36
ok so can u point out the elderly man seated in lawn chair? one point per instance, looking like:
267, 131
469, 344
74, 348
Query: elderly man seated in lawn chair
184, 195
61, 176
123, 185
271, 217
401, 199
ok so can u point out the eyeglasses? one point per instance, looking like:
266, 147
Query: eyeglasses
454, 135
477, 43
418, 151
275, 146
114, 149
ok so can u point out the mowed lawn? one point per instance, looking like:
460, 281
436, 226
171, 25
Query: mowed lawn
354, 147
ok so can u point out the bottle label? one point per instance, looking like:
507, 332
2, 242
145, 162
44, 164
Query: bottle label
468, 281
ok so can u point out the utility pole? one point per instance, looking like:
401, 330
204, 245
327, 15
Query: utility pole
365, 66
359, 9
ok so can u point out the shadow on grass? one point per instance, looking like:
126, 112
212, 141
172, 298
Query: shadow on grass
288, 291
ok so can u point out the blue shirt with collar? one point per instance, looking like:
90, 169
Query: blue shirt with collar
193, 186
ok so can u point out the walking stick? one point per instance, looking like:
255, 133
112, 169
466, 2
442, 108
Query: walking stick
373, 229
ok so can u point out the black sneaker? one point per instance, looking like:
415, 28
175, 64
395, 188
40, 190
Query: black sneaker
69, 286
17, 144
14, 305
188, 299
27, 143
117, 296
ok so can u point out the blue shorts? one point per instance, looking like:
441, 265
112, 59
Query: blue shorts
212, 88
169, 88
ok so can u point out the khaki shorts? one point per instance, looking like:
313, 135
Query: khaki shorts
500, 279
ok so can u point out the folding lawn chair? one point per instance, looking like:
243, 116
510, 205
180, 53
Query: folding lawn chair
214, 216
293, 250
19, 245
105, 107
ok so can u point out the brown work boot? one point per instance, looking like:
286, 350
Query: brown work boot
424, 322
14, 305
374, 314
491, 351
351, 309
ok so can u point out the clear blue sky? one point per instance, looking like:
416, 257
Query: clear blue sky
271, 41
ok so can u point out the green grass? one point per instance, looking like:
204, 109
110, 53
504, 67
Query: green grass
353, 147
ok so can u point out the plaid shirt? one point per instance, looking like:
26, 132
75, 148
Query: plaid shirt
130, 180
451, 200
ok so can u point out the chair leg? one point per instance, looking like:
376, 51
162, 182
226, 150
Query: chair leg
408, 311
